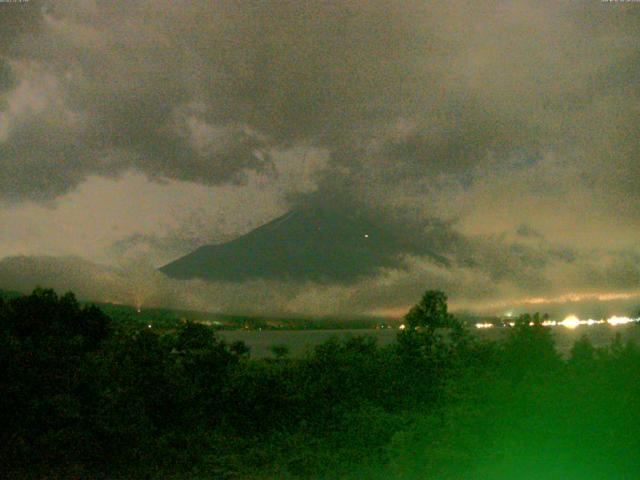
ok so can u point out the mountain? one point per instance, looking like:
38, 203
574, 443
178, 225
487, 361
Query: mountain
308, 244
23, 273
88, 280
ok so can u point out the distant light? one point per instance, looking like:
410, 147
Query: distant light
591, 321
619, 320
138, 310
570, 322
366, 235
509, 313
402, 327
484, 325
149, 325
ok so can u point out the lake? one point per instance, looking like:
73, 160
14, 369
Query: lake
299, 341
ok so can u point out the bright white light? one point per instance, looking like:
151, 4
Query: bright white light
402, 327
484, 325
619, 320
366, 236
570, 322
149, 325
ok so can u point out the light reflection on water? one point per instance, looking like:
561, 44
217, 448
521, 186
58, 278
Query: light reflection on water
298, 341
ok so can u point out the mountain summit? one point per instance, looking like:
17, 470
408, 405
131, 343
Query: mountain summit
308, 244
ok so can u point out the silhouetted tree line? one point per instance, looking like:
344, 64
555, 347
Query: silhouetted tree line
83, 397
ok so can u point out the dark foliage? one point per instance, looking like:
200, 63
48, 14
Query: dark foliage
84, 399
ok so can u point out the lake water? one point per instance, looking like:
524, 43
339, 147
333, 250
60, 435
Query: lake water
299, 341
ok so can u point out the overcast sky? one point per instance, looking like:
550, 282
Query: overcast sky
506, 133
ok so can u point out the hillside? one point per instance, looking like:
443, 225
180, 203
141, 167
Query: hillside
312, 244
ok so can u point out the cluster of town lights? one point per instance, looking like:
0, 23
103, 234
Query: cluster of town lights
571, 322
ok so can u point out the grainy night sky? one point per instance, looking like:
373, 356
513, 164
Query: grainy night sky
505, 133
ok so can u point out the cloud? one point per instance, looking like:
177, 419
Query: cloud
500, 134
200, 92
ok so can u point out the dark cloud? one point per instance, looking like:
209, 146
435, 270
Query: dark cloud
18, 21
200, 91
528, 232
7, 81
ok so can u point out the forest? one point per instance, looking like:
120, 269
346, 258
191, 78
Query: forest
84, 396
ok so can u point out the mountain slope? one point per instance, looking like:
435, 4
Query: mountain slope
311, 244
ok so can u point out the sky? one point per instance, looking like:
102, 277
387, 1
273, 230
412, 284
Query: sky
502, 134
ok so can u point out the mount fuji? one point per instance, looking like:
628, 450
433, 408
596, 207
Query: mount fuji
306, 244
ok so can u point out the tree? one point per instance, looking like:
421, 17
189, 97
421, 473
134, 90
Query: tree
194, 336
280, 351
240, 348
430, 313
529, 347
582, 354
47, 347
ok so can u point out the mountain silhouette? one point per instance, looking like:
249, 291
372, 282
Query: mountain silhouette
307, 244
